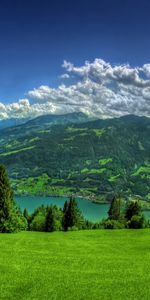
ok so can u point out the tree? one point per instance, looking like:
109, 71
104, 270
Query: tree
11, 218
132, 209
65, 216
50, 220
114, 210
38, 223
25, 214
72, 215
137, 222
134, 216
53, 220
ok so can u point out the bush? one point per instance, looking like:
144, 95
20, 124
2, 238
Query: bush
112, 224
15, 223
88, 224
38, 223
137, 222
133, 209
96, 226
73, 228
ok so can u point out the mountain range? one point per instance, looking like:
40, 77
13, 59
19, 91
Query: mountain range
59, 155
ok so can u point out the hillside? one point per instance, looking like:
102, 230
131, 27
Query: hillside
95, 158
97, 264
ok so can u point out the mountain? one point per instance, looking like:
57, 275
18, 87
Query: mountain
91, 158
11, 122
77, 117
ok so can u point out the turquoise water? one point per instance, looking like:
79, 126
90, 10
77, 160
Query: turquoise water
147, 214
91, 211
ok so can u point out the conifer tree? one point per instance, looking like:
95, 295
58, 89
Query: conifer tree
25, 214
11, 219
114, 210
72, 215
65, 216
50, 220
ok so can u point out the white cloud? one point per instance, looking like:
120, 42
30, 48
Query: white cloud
146, 69
65, 76
100, 89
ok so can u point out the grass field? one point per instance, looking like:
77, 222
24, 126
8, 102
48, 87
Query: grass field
98, 264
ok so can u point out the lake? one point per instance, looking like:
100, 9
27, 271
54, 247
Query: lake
91, 211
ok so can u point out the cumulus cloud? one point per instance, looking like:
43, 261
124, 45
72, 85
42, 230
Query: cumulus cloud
100, 89
146, 69
18, 109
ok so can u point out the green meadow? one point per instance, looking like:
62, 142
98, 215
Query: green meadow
96, 264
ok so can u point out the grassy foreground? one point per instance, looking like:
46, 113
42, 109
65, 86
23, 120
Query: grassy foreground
98, 264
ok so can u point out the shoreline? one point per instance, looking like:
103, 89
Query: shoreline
63, 196
90, 199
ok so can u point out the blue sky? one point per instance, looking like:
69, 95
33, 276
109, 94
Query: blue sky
36, 36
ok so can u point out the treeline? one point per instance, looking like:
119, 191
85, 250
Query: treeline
53, 218
130, 216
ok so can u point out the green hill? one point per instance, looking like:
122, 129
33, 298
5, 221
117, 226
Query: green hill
97, 264
94, 158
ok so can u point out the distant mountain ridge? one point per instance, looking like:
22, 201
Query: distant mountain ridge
52, 119
76, 117
11, 122
91, 158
